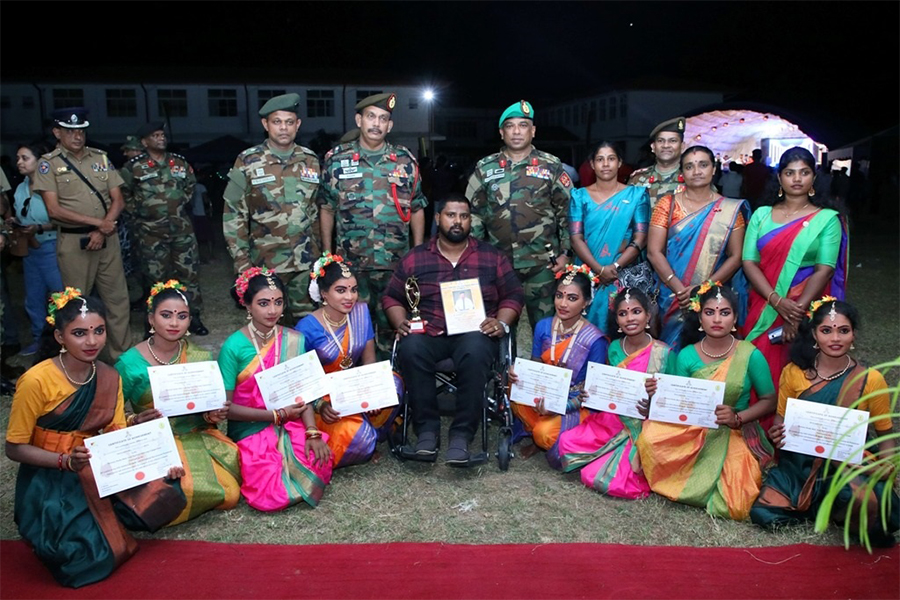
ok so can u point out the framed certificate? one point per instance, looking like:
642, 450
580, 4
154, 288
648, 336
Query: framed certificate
824, 430
463, 306
132, 456
364, 388
538, 380
686, 401
300, 379
188, 388
614, 390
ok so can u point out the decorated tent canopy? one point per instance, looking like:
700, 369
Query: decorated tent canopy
733, 133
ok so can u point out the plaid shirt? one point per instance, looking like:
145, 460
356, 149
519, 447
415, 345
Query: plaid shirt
500, 288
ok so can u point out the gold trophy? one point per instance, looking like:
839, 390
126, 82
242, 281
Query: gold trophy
416, 325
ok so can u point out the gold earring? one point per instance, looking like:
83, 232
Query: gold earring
852, 347
700, 328
152, 330
733, 328
816, 345
248, 315
647, 326
619, 330
187, 334
812, 192
780, 192
324, 302
62, 349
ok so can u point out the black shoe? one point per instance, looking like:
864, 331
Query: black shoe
458, 452
197, 327
427, 444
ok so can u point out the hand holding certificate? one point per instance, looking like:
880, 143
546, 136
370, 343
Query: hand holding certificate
614, 390
299, 380
187, 388
824, 430
361, 389
536, 381
686, 401
132, 456
463, 305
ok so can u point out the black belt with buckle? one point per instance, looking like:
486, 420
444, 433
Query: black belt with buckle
77, 229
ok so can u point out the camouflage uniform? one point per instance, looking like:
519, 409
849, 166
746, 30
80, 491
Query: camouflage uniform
522, 207
359, 187
657, 185
157, 195
270, 215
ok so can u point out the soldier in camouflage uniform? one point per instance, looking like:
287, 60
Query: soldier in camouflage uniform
270, 206
158, 190
520, 203
374, 189
663, 177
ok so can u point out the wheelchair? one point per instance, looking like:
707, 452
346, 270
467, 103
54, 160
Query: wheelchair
495, 407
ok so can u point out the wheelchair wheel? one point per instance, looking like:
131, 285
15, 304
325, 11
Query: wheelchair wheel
504, 448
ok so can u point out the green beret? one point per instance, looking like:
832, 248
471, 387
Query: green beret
519, 110
675, 125
288, 102
350, 136
132, 142
386, 101
150, 128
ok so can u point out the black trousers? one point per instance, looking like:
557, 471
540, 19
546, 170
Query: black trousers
473, 355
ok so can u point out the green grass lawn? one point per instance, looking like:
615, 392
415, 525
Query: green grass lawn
387, 501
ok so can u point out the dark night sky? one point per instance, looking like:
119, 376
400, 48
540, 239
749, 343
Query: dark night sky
826, 59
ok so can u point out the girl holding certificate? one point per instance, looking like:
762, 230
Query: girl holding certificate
567, 339
341, 333
823, 371
604, 445
212, 471
284, 458
66, 397
717, 469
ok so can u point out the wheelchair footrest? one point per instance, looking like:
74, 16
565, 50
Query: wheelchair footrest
407, 453
474, 461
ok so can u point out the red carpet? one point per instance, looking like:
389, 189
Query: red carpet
176, 569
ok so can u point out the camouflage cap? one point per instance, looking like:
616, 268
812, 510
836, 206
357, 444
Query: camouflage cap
675, 125
386, 101
288, 102
350, 136
150, 128
70, 118
132, 142
520, 110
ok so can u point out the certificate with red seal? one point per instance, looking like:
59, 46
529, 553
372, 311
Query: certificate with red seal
364, 388
686, 401
825, 431
300, 380
183, 389
127, 458
614, 390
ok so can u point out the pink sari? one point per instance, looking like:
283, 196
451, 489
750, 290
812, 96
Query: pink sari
275, 468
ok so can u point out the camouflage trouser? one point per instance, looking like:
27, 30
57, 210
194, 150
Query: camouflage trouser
538, 284
372, 285
298, 303
175, 257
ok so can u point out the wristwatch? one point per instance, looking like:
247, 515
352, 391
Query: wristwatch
40, 228
616, 265
504, 326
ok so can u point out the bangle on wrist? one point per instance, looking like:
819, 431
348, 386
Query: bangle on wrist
131, 420
779, 301
601, 270
769, 297
207, 419
669, 278
69, 463
739, 422
60, 460
275, 418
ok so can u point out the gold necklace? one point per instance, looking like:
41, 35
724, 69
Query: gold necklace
172, 360
692, 201
262, 363
789, 215
347, 360
556, 326
703, 348
334, 323
72, 381
625, 341
831, 377
263, 336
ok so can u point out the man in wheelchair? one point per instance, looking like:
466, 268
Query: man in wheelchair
450, 256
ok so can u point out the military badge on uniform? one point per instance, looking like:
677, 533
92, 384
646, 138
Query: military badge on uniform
526, 110
44, 167
539, 172
564, 179
392, 102
309, 175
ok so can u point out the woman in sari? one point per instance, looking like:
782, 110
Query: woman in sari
604, 445
341, 333
566, 340
794, 251
608, 226
63, 399
284, 457
695, 235
822, 371
212, 471
717, 469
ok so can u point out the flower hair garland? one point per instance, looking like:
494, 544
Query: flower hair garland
60, 299
704, 287
243, 280
318, 270
172, 284
570, 271
816, 304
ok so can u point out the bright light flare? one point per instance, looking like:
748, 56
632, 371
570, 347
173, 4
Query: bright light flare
428, 95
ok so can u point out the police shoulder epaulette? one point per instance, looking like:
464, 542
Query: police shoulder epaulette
96, 150
138, 158
52, 153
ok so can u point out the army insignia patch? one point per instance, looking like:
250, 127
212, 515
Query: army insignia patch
539, 172
525, 109
564, 179
44, 167
309, 175
392, 102
680, 125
